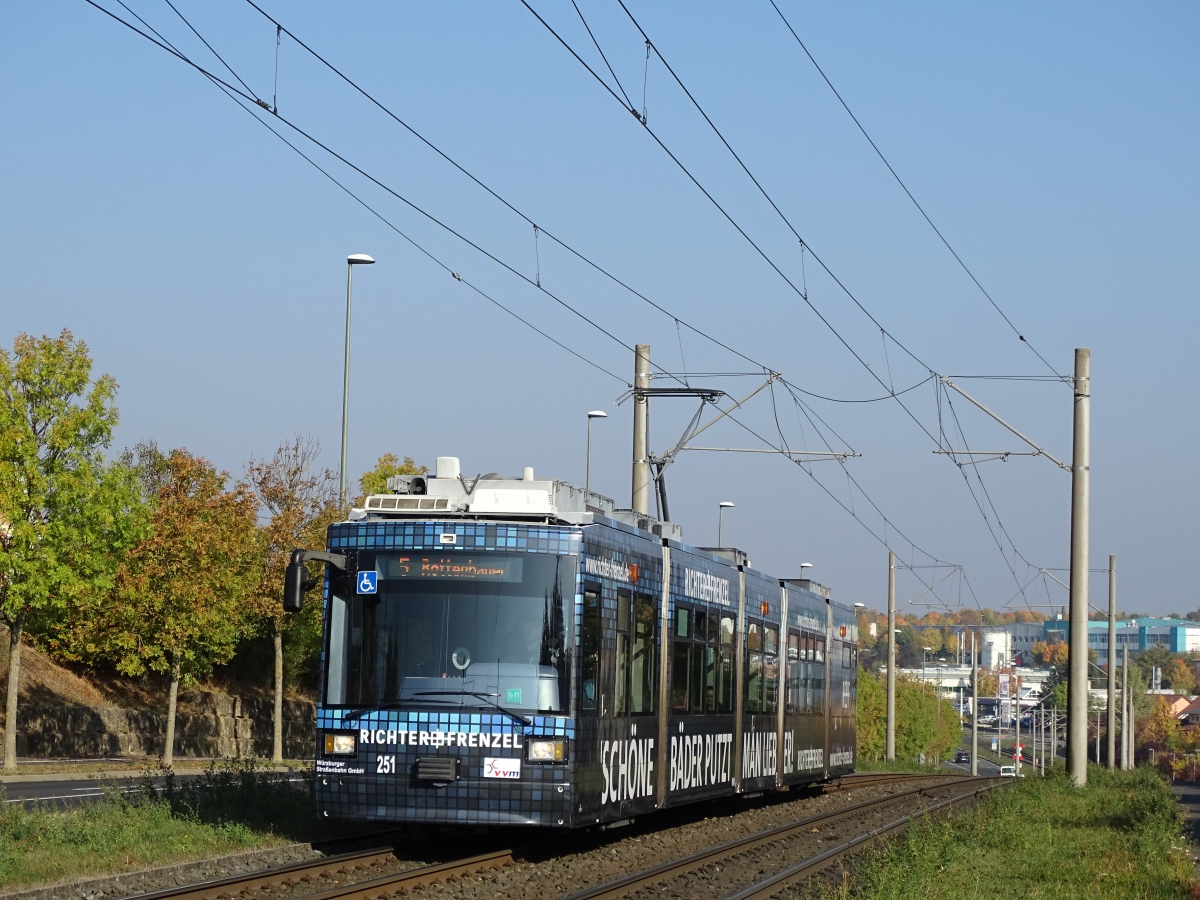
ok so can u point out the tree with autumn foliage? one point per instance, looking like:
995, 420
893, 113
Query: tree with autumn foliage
301, 501
66, 516
180, 600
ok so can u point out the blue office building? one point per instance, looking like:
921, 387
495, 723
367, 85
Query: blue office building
1176, 635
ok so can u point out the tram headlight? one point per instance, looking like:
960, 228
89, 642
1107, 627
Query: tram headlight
341, 744
541, 750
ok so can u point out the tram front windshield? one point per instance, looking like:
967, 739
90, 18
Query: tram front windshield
451, 630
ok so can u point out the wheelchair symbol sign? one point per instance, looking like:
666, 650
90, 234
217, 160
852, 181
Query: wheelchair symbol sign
368, 582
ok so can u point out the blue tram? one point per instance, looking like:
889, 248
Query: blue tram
512, 652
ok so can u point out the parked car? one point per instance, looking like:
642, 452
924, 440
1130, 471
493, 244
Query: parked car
988, 720
962, 756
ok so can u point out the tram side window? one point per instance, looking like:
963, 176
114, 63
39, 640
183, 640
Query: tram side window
846, 656
754, 668
693, 670
818, 677
795, 698
681, 659
589, 699
726, 665
806, 674
696, 678
624, 627
643, 671
770, 669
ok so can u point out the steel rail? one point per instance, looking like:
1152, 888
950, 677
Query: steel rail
218, 888
674, 868
376, 887
885, 777
770, 886
344, 863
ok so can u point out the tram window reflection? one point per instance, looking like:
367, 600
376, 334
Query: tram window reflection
451, 625
754, 668
794, 664
589, 651
643, 671
624, 626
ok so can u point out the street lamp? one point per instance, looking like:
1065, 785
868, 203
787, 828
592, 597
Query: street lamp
721, 507
926, 652
587, 485
354, 259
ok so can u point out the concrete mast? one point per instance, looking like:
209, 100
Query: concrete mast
1077, 695
641, 430
1112, 661
890, 753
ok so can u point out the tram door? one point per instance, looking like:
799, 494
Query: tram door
615, 757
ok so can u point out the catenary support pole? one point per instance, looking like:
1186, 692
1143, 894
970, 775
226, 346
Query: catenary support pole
1111, 742
1125, 707
890, 751
641, 430
1077, 692
974, 707
1017, 754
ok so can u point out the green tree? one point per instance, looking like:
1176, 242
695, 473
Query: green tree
375, 481
301, 502
872, 716
65, 515
916, 730
180, 600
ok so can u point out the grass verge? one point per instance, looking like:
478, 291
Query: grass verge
235, 806
1120, 837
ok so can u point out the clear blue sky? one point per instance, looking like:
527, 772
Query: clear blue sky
203, 261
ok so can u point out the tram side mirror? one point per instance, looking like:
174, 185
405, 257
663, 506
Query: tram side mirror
295, 583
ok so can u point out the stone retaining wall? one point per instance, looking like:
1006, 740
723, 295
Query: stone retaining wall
217, 725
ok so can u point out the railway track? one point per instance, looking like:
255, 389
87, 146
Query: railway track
660, 876
342, 865
355, 868
865, 778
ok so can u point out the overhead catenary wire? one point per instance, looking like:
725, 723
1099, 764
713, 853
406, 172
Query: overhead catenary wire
220, 59
530, 221
252, 98
406, 201
886, 335
237, 95
904, 187
848, 508
991, 505
763, 191
599, 50
753, 244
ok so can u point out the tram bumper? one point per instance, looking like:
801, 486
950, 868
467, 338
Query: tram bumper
448, 785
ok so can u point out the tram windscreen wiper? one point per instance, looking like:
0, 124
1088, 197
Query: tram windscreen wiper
480, 695
391, 704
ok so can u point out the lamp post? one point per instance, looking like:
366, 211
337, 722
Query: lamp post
721, 507
587, 485
354, 259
